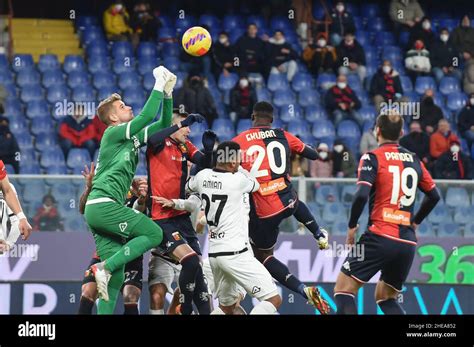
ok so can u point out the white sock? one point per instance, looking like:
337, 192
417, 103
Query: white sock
218, 310
161, 312
264, 307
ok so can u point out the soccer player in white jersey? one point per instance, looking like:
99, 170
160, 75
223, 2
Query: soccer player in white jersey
224, 192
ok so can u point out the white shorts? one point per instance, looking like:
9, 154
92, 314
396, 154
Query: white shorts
244, 270
162, 271
209, 277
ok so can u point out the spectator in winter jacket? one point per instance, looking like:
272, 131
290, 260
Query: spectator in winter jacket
466, 121
77, 132
9, 149
430, 113
405, 14
441, 139
468, 79
47, 217
222, 56
463, 36
351, 57
453, 164
422, 31
196, 98
385, 85
242, 99
342, 102
341, 22
368, 142
144, 22
321, 167
116, 22
417, 142
250, 50
99, 127
282, 57
444, 57
417, 61
320, 57
344, 164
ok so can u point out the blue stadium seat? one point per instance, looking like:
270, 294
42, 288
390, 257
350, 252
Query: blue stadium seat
30, 169
326, 193
172, 49
256, 19
105, 91
78, 157
122, 65
172, 63
377, 24
227, 82
183, 24
18, 125
129, 79
463, 215
92, 34
315, 113
392, 53
370, 10
323, 128
280, 23
243, 124
4, 64
425, 229
469, 230
44, 141
308, 97
149, 81
12, 108
448, 85
299, 128
302, 81
27, 155
134, 95
147, 64
36, 190
277, 82
334, 211
27, 78
456, 101
83, 93
339, 228
48, 62
325, 81
232, 22
122, 49
58, 169
264, 95
423, 83
210, 21
439, 214
367, 113
52, 156
36, 108
98, 65
224, 129
77, 78
166, 34
449, 229
97, 50
73, 63
12, 92
283, 97
22, 62
42, 125
348, 129
57, 93
52, 77
102, 79
291, 112
384, 38
457, 197
363, 38
141, 170
31, 93
6, 76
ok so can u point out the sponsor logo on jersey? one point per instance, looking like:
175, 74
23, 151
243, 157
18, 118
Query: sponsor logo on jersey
366, 156
396, 216
214, 235
123, 226
347, 266
272, 186
366, 168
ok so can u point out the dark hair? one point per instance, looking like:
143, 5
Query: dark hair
444, 29
390, 125
177, 112
263, 109
227, 151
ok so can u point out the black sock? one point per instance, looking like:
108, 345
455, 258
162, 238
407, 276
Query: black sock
201, 296
190, 267
130, 308
304, 215
345, 303
391, 306
85, 306
281, 273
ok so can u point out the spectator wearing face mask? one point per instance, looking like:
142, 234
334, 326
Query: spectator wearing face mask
341, 22
344, 164
385, 85
430, 113
320, 57
422, 31
116, 22
47, 217
444, 58
417, 142
441, 139
250, 49
9, 149
222, 56
368, 142
405, 14
351, 57
77, 132
321, 167
342, 102
466, 121
194, 97
417, 61
242, 98
453, 164
282, 56
144, 22
463, 36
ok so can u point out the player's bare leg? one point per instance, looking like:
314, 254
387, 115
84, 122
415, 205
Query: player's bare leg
157, 298
386, 298
268, 306
88, 298
175, 307
131, 295
345, 291
282, 274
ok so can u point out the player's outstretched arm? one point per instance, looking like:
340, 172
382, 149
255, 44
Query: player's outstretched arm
159, 137
190, 204
204, 160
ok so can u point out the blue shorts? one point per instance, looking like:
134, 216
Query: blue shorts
177, 231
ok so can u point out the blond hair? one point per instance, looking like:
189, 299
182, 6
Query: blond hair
105, 106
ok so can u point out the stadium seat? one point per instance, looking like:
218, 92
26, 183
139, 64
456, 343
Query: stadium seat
277, 82
30, 169
299, 128
348, 192
224, 129
102, 79
256, 19
449, 229
232, 22
134, 95
172, 63
22, 62
348, 129
83, 93
377, 24
325, 81
92, 34
63, 190
44, 141
291, 112
52, 156
263, 95
210, 21
384, 38
77, 78
78, 157
425, 229
456, 101
280, 23
227, 82
6, 76
18, 125
129, 79
57, 93
98, 65
243, 124
457, 197
36, 190
149, 81
367, 113
106, 90
76, 224
309, 98
147, 64
122, 65
52, 77
334, 211
326, 194
121, 50
48, 62
27, 78
42, 125
438, 215
31, 93
182, 24
463, 215
323, 129
97, 50
73, 63
12, 108
339, 228
448, 85
283, 97
301, 81
315, 113
423, 83
166, 33
469, 230
36, 108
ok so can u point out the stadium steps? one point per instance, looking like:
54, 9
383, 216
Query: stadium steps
44, 36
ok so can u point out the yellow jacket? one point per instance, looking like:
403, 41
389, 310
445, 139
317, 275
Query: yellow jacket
116, 24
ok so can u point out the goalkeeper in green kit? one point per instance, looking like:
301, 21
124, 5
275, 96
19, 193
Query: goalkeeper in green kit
112, 223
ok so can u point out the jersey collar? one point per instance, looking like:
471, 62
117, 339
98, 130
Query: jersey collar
389, 144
